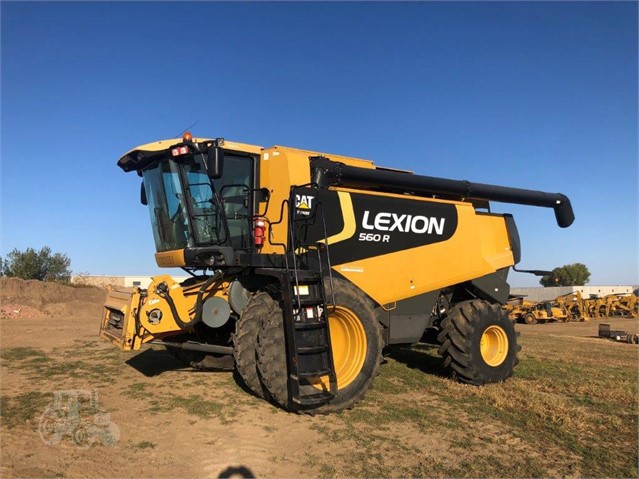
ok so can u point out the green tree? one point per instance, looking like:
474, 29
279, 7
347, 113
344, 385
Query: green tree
42, 265
576, 274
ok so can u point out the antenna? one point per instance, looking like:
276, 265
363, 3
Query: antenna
187, 129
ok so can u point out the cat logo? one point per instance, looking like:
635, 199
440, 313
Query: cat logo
303, 204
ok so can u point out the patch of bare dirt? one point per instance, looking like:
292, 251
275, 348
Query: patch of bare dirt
18, 311
35, 299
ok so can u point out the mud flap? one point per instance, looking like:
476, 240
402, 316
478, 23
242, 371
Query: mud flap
119, 321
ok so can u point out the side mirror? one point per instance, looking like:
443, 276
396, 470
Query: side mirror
143, 199
214, 162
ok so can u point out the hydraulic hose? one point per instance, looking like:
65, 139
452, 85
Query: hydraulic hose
163, 291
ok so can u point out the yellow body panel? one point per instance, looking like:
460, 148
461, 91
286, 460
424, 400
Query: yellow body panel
183, 304
125, 302
136, 308
170, 259
280, 168
480, 244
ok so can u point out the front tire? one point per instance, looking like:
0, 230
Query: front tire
260, 306
478, 343
356, 343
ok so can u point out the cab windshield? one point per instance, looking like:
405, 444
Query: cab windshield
188, 210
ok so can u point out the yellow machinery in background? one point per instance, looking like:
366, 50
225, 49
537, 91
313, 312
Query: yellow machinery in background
572, 307
305, 265
613, 305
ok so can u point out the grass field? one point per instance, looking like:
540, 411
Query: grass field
570, 410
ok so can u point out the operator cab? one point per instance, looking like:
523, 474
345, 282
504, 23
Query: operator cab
200, 196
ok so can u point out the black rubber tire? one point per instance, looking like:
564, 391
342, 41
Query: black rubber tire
260, 306
530, 319
272, 355
460, 339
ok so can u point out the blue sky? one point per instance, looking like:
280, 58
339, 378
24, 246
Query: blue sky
533, 95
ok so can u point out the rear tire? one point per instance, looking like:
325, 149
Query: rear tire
478, 343
356, 342
247, 328
530, 319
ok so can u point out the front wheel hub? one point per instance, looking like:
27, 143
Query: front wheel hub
494, 345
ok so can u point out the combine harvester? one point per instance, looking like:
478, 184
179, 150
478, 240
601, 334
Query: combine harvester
306, 265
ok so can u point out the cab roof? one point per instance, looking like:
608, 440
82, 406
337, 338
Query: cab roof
143, 155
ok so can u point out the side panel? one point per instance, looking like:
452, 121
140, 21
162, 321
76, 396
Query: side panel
281, 168
406, 320
394, 247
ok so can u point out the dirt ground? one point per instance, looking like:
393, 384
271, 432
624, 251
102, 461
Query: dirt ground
165, 420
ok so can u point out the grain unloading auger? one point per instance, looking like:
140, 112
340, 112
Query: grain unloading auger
306, 265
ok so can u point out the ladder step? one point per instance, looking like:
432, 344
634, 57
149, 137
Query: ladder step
302, 325
314, 399
316, 373
307, 302
312, 349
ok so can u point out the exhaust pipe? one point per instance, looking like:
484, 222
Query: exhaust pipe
325, 172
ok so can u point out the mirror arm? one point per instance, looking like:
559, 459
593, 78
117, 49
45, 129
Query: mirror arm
143, 198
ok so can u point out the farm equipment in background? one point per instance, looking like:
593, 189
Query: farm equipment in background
627, 306
573, 305
305, 265
544, 311
567, 307
517, 307
598, 307
617, 335
613, 305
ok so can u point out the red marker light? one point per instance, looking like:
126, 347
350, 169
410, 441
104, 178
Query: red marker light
187, 137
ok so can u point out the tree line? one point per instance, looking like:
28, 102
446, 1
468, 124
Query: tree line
43, 265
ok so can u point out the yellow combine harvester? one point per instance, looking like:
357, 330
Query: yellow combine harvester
306, 265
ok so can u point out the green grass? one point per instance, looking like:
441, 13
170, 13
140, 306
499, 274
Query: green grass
570, 409
19, 354
145, 445
64, 363
559, 415
22, 409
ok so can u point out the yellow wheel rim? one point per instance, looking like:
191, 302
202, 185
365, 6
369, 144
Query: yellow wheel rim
494, 345
348, 343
